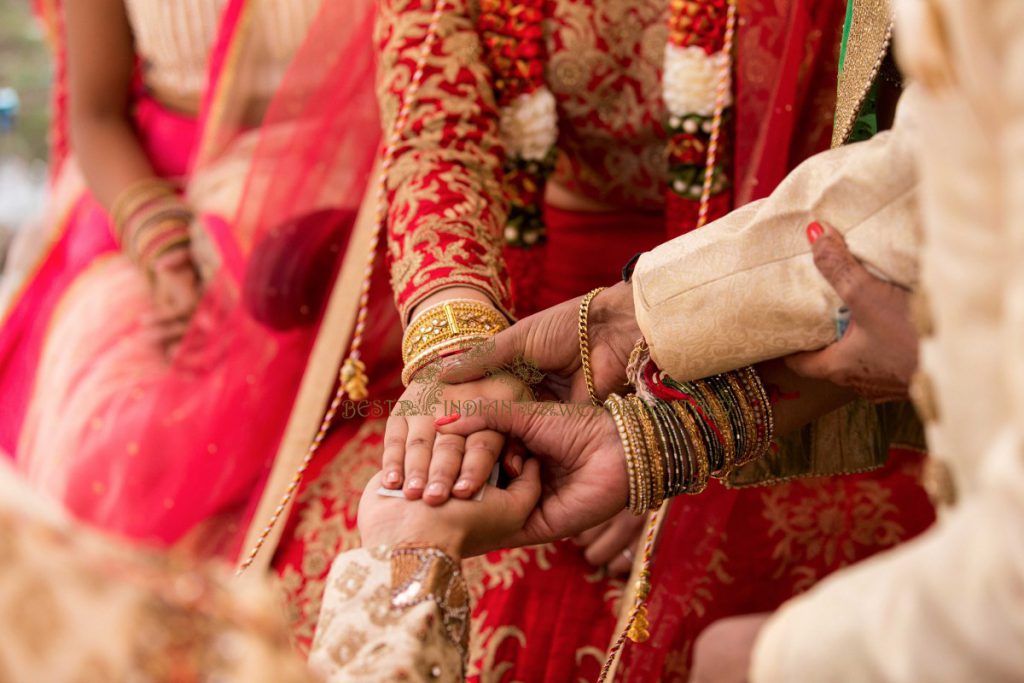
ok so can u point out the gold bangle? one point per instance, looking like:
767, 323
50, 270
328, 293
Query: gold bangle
154, 229
720, 414
447, 321
614, 406
699, 467
644, 470
588, 371
135, 197
657, 484
433, 353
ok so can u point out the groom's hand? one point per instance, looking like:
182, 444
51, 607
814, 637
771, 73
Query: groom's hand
549, 341
583, 467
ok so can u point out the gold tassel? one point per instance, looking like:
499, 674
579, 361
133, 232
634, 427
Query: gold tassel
354, 379
639, 631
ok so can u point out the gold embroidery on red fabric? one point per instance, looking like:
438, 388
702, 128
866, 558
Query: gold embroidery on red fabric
447, 209
484, 642
821, 526
605, 71
327, 524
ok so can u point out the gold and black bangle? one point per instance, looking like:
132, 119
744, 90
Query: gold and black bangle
675, 447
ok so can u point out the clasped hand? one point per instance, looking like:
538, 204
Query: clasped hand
433, 453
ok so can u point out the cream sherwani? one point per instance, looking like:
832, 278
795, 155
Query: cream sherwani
950, 605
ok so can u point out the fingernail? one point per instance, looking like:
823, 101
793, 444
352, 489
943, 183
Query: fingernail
435, 489
462, 485
513, 465
392, 478
814, 231
414, 484
446, 419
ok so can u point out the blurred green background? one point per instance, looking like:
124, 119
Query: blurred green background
25, 66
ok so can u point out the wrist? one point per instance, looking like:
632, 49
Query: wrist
614, 308
448, 541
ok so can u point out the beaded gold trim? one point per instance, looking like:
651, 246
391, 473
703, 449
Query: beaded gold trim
422, 573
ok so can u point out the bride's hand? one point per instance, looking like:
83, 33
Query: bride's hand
436, 466
550, 341
459, 528
614, 543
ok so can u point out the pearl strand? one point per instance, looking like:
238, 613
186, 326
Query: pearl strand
352, 375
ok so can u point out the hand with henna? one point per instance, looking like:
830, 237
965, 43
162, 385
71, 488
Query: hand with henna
549, 340
877, 356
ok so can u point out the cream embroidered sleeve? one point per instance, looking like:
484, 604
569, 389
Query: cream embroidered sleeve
392, 614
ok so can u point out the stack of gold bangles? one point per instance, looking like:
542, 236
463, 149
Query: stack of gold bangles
149, 219
447, 328
678, 434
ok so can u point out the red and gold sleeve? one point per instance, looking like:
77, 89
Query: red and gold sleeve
446, 205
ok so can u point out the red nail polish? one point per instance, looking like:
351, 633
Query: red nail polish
814, 231
446, 419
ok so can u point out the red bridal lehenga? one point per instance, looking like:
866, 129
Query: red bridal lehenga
474, 173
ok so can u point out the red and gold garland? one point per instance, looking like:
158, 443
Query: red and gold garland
512, 33
697, 90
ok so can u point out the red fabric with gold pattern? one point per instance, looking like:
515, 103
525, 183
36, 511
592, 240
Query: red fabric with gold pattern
447, 206
730, 552
322, 522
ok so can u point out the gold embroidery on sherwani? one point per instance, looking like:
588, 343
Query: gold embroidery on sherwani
870, 35
327, 525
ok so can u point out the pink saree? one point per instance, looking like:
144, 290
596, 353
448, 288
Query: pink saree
176, 450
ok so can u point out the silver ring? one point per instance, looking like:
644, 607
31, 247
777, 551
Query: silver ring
628, 554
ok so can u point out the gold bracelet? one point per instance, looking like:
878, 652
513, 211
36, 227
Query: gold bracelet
135, 197
588, 371
614, 406
653, 450
433, 353
447, 321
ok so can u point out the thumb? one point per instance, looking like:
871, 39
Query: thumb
524, 491
497, 352
821, 364
840, 267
